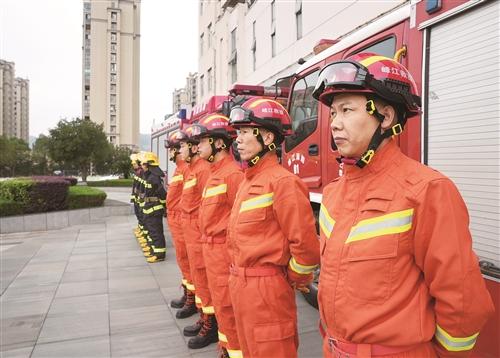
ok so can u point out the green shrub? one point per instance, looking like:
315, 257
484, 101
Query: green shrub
80, 197
112, 182
10, 207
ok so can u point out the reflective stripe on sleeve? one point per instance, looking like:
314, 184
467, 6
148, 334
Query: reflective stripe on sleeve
176, 178
393, 223
190, 183
260, 201
301, 269
455, 344
326, 223
215, 190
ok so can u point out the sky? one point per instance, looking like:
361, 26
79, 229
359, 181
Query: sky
44, 39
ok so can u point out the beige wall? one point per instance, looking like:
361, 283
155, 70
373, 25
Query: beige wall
320, 19
125, 129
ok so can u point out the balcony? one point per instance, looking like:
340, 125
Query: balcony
227, 4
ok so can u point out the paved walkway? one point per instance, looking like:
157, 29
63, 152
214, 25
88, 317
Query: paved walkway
86, 291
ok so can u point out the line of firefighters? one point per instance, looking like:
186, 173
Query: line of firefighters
398, 274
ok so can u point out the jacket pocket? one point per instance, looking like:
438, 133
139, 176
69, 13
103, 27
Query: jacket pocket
221, 296
370, 265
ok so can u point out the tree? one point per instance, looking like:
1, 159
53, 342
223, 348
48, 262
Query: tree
77, 144
121, 161
15, 157
40, 156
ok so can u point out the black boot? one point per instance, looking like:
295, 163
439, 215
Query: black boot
208, 334
179, 302
194, 329
223, 353
189, 308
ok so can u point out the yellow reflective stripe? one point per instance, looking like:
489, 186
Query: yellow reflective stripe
176, 178
159, 249
208, 310
185, 282
260, 201
326, 223
393, 223
222, 337
190, 287
197, 299
190, 183
150, 210
371, 60
455, 344
234, 353
147, 185
163, 201
301, 269
215, 190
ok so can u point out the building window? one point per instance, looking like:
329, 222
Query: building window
298, 18
273, 45
233, 60
209, 35
113, 88
112, 119
113, 16
113, 99
113, 57
113, 67
202, 78
112, 139
113, 37
113, 47
209, 80
201, 44
113, 78
273, 28
112, 108
112, 129
254, 47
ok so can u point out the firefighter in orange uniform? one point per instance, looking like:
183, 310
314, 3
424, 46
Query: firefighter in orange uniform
272, 235
204, 331
398, 274
216, 137
174, 192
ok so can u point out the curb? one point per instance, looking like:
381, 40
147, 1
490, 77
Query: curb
60, 219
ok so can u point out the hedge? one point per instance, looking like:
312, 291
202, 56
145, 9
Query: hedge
112, 182
45, 193
10, 207
80, 197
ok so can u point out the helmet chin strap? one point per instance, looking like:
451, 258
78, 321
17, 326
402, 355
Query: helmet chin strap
214, 150
377, 138
174, 155
266, 148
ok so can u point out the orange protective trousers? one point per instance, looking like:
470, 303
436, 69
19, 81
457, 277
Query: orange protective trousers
217, 260
192, 236
176, 229
266, 315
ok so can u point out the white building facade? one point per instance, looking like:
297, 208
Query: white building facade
256, 42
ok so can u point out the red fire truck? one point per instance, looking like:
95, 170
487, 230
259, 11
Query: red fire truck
452, 49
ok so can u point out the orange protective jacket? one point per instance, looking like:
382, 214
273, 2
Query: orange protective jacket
397, 265
174, 189
271, 221
218, 197
194, 182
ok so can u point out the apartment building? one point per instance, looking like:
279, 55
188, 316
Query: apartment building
14, 103
110, 68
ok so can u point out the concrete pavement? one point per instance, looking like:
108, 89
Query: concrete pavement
87, 291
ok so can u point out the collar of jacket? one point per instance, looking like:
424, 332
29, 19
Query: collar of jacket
268, 160
382, 160
221, 163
